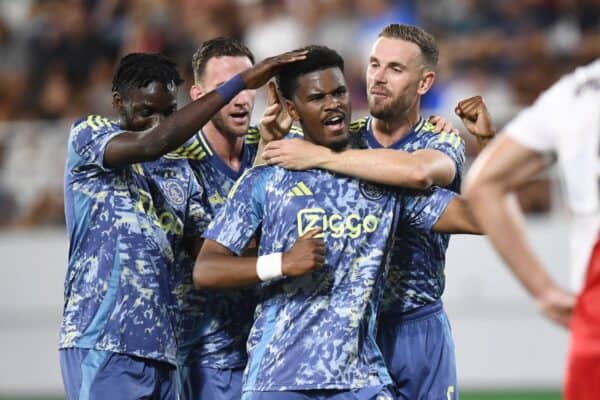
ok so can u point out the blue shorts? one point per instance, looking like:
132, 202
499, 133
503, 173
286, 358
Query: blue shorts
369, 393
94, 374
199, 383
419, 352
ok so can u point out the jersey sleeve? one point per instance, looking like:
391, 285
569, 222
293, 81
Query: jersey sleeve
536, 127
422, 210
236, 222
450, 144
89, 137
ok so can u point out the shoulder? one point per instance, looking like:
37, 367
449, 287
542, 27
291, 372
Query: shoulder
252, 179
195, 148
359, 125
94, 123
432, 139
295, 132
252, 137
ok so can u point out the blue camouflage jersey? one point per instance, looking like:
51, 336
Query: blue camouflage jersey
416, 275
318, 331
214, 324
126, 225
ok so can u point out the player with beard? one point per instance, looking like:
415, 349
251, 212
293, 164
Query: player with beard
215, 324
402, 150
314, 330
129, 211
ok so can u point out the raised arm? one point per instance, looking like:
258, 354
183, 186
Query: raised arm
420, 169
503, 167
167, 135
217, 267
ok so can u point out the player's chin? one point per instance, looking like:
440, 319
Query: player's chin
239, 129
338, 142
377, 107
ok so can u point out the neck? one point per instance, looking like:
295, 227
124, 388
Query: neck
227, 147
389, 131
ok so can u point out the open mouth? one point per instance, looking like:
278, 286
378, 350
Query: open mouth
335, 122
240, 117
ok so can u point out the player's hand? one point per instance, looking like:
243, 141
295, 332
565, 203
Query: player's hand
476, 118
295, 154
441, 124
276, 121
557, 305
307, 254
260, 74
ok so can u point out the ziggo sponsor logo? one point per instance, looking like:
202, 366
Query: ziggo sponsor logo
338, 225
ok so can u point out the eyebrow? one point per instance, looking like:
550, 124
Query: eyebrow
322, 93
391, 63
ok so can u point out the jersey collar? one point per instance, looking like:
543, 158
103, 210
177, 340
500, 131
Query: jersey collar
220, 165
374, 144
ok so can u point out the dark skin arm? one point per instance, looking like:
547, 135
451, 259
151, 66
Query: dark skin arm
458, 216
132, 147
217, 267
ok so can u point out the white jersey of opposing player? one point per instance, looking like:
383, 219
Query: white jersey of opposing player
565, 120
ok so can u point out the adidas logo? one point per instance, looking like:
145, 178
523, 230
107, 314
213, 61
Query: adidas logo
300, 190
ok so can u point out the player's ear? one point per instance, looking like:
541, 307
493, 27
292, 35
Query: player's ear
196, 92
426, 82
117, 102
291, 108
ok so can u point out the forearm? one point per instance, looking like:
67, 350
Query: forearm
384, 166
224, 271
175, 130
172, 132
483, 141
499, 216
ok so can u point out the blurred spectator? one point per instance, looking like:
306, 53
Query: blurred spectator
57, 56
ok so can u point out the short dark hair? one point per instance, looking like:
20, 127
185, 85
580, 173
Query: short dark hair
137, 70
416, 35
318, 58
218, 47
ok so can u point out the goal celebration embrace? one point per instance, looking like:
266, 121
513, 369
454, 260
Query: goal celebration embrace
301, 254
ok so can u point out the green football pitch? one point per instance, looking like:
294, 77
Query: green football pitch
466, 395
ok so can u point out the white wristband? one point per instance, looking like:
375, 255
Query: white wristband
269, 266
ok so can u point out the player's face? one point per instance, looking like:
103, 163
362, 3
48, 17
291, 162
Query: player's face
396, 78
234, 118
143, 108
321, 103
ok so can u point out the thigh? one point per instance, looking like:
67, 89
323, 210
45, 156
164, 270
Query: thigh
198, 383
135, 378
72, 371
420, 357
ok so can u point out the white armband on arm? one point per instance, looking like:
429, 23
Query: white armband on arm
269, 266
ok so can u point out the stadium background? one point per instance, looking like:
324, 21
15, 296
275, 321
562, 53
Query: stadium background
56, 62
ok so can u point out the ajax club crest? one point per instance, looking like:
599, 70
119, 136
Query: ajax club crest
175, 193
370, 191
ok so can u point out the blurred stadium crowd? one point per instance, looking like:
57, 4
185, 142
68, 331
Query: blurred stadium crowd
57, 59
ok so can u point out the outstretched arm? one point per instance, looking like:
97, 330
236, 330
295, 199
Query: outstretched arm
217, 267
417, 170
132, 147
501, 168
